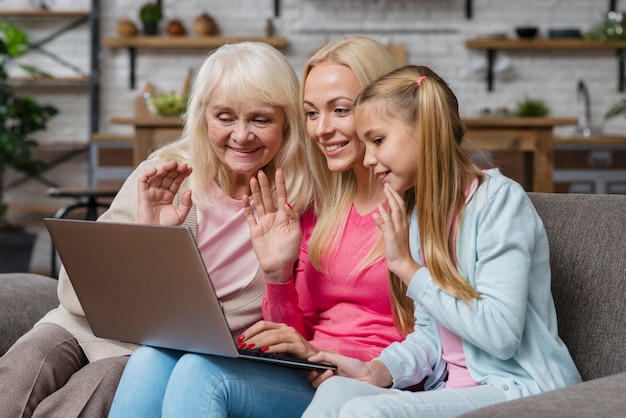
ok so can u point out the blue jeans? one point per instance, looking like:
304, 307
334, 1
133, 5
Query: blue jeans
348, 398
159, 382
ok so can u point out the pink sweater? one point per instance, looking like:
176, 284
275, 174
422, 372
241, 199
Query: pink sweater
339, 311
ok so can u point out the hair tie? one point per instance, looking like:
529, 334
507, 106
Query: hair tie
419, 80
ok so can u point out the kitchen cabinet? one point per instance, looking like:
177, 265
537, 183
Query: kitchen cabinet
595, 164
530, 136
491, 46
132, 44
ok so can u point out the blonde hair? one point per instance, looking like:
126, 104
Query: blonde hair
368, 60
335, 191
445, 169
243, 71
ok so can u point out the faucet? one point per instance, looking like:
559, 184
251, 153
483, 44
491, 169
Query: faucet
584, 92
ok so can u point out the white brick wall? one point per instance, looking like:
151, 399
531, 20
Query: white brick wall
433, 31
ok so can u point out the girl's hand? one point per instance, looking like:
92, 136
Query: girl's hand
157, 188
275, 230
373, 372
272, 337
394, 225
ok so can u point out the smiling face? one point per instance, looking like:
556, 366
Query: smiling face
245, 136
390, 146
329, 94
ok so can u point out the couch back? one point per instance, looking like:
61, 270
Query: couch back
587, 235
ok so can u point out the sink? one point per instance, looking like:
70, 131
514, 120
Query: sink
588, 131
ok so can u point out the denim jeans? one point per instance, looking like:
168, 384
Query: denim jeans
159, 382
348, 398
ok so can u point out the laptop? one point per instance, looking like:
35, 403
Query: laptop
147, 284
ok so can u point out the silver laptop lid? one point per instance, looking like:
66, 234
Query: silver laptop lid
144, 284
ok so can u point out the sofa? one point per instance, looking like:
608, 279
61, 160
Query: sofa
24, 299
587, 236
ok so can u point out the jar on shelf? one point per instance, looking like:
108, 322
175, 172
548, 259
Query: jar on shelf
126, 28
204, 25
175, 27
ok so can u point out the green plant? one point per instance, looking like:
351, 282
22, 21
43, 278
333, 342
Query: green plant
150, 12
20, 115
611, 29
531, 108
616, 110
169, 104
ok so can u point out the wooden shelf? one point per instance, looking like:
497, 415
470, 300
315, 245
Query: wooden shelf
542, 43
45, 13
49, 82
491, 46
180, 42
187, 42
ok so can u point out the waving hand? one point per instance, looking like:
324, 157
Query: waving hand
157, 188
394, 225
275, 230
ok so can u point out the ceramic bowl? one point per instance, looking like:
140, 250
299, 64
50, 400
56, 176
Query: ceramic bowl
527, 32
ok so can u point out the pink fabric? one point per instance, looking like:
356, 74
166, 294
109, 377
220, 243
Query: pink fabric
340, 311
458, 375
223, 238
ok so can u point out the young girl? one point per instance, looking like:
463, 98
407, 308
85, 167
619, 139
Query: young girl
474, 257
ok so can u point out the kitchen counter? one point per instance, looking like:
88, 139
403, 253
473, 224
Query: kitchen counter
600, 139
529, 135
151, 132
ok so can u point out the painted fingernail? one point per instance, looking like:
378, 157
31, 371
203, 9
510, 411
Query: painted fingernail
242, 345
288, 205
241, 338
251, 345
264, 348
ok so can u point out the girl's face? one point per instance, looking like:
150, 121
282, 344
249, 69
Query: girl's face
245, 136
329, 93
390, 147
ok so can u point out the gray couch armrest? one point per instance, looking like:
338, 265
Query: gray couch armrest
24, 299
596, 398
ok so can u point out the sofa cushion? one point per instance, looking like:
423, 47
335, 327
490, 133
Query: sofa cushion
587, 235
597, 398
24, 299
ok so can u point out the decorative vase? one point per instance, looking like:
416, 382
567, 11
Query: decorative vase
176, 28
126, 28
204, 25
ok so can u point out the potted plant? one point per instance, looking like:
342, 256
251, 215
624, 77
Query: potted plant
20, 116
150, 14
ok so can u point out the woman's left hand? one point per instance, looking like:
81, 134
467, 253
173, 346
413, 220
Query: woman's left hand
394, 225
273, 337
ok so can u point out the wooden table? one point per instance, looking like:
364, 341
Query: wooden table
530, 135
151, 132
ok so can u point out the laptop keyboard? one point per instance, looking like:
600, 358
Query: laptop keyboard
285, 359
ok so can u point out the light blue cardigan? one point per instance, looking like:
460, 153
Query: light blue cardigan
510, 334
